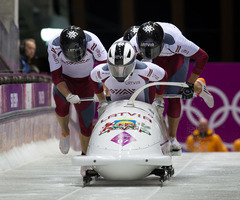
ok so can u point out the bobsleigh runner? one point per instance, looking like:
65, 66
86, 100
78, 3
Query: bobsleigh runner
129, 142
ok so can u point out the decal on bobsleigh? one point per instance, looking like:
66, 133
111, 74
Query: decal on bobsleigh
123, 138
126, 124
130, 114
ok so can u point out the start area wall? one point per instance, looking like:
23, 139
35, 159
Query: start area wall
27, 116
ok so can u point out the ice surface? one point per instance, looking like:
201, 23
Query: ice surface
198, 176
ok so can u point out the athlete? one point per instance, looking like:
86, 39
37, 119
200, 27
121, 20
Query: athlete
130, 32
123, 75
127, 36
164, 45
71, 56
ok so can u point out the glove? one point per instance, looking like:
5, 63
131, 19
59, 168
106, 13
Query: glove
95, 98
102, 107
72, 98
187, 93
158, 103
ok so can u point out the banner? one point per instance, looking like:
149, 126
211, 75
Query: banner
223, 82
41, 94
13, 97
25, 96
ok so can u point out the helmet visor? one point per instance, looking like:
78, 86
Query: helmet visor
150, 50
122, 73
75, 52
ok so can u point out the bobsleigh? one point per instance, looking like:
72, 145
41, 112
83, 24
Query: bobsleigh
129, 142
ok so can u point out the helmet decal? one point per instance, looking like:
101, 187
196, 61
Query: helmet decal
111, 53
127, 55
135, 29
72, 34
148, 28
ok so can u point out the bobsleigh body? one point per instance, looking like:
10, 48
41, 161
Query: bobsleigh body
128, 142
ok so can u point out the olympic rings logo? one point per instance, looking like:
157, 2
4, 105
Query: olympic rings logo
220, 115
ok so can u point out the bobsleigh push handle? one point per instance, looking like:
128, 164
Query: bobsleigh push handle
139, 90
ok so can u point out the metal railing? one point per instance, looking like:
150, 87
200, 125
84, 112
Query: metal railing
24, 78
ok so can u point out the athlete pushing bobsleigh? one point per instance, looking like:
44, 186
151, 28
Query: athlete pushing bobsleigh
130, 140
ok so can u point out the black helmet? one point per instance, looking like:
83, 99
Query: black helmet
130, 32
121, 60
150, 39
73, 43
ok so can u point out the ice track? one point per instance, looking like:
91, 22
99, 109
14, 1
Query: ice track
198, 176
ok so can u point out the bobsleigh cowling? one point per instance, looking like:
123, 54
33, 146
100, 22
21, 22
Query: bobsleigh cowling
128, 142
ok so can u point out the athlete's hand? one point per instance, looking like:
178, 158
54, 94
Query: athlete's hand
72, 98
187, 93
159, 104
102, 107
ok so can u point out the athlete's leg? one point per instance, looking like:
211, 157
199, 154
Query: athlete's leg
85, 112
62, 114
63, 121
84, 142
174, 108
173, 125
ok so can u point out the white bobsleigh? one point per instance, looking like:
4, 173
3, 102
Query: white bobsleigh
129, 142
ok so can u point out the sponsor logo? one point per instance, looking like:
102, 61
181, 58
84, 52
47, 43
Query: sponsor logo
123, 114
185, 51
156, 77
41, 97
130, 114
126, 124
98, 53
14, 100
147, 44
132, 82
123, 139
76, 50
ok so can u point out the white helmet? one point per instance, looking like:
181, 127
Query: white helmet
121, 60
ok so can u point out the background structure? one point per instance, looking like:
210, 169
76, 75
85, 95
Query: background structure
213, 25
